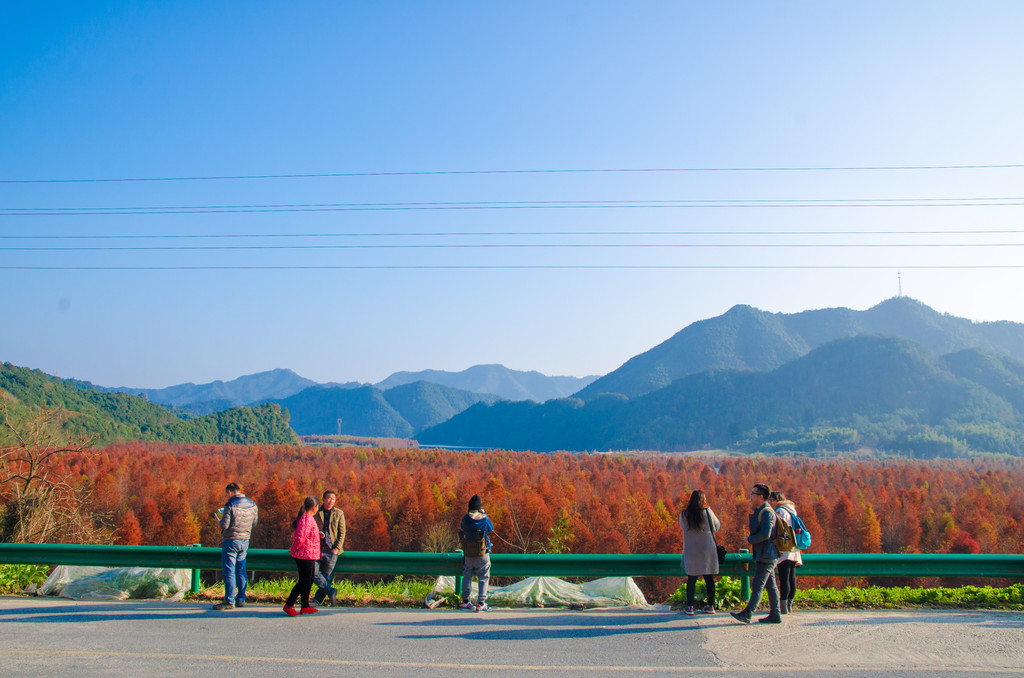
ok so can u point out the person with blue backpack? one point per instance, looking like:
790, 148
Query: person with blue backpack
785, 569
475, 540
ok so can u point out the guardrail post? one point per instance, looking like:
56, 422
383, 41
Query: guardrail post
745, 580
458, 578
196, 584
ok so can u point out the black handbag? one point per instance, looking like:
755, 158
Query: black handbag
718, 547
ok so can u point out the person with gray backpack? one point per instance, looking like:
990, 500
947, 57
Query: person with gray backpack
474, 531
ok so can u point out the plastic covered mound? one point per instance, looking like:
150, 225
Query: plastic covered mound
554, 592
119, 583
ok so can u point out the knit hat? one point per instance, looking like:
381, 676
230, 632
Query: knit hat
475, 504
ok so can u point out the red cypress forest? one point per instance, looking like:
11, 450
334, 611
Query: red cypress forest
412, 499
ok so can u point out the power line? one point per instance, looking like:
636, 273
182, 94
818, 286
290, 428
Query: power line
179, 248
521, 267
418, 234
528, 205
330, 175
511, 203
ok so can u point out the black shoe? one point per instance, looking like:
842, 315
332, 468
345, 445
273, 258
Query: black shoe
740, 617
239, 603
773, 618
782, 608
333, 597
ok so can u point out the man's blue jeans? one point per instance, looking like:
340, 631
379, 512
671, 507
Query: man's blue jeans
324, 574
232, 560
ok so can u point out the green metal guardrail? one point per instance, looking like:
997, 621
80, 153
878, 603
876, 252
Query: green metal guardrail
521, 565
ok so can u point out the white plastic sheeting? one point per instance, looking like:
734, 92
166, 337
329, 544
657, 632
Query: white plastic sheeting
554, 592
119, 583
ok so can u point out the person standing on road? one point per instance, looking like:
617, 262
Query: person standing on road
762, 529
236, 520
306, 552
474, 531
785, 570
330, 520
700, 550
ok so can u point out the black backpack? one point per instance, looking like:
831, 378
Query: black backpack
473, 542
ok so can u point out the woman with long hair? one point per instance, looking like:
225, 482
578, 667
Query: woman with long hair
785, 570
700, 553
306, 552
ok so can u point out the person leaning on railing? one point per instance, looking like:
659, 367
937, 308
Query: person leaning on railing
474, 537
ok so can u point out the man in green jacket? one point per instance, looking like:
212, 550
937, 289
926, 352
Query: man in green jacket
331, 522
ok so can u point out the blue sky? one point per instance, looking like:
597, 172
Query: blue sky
213, 89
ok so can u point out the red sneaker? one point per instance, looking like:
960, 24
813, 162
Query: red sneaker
290, 611
308, 610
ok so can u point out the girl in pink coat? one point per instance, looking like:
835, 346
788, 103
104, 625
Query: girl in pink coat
306, 552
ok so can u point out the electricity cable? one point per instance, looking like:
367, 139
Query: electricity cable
623, 170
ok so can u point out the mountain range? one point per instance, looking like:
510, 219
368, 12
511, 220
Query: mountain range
899, 377
867, 391
746, 337
276, 385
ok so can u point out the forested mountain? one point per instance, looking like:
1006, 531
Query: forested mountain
497, 380
868, 391
745, 337
366, 411
424, 404
111, 416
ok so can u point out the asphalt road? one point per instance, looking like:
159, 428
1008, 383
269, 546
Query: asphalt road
47, 637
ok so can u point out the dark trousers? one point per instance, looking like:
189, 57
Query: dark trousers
786, 573
691, 589
762, 580
305, 583
324, 575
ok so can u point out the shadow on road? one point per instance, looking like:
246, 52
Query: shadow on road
125, 611
545, 626
1006, 620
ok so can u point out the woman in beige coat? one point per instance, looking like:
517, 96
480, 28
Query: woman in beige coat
785, 570
700, 554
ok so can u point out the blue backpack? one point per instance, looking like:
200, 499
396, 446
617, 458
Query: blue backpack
803, 535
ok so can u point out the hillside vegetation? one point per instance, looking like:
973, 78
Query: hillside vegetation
108, 417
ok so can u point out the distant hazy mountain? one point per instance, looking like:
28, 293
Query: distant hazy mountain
745, 337
218, 395
495, 379
366, 411
868, 391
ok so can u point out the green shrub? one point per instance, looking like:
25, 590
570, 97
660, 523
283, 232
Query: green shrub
16, 578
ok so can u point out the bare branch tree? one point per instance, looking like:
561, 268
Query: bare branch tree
41, 503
